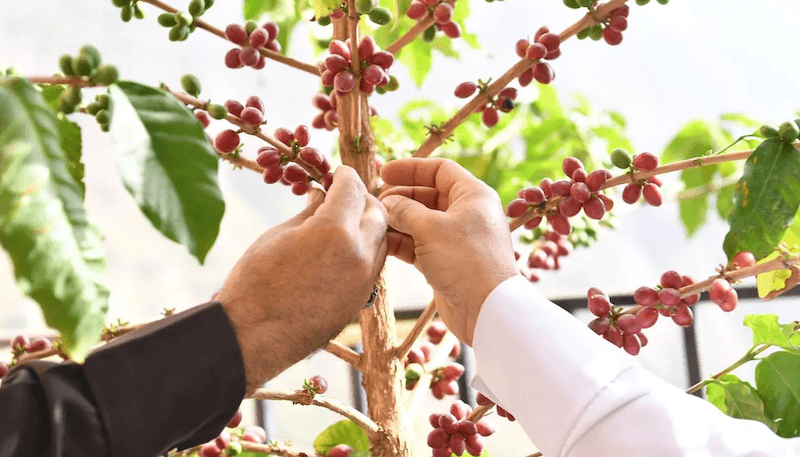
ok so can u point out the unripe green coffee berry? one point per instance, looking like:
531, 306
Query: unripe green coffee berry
217, 111
583, 33
365, 6
178, 33
92, 53
190, 84
167, 19
621, 158
380, 90
642, 2
414, 371
104, 127
328, 89
584, 3
324, 20
106, 75
788, 131
768, 131
234, 448
121, 3
663, 2
102, 116
81, 66
65, 62
64, 105
596, 33
183, 18
138, 11
197, 7
572, 4
209, 4
429, 34
102, 100
126, 13
72, 95
249, 26
393, 85
380, 15
93, 108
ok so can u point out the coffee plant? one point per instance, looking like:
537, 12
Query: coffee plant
558, 197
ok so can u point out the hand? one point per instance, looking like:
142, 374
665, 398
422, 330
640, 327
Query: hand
302, 281
452, 227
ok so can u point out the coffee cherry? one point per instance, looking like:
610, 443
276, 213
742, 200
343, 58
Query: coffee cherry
744, 259
252, 116
788, 131
579, 175
599, 325
551, 41
718, 293
319, 384
344, 81
234, 448
268, 157
226, 141
218, 111
273, 174
730, 302
20, 342
236, 33
569, 165
484, 427
645, 161
490, 117
683, 316
382, 59
652, 194
438, 439
645, 296
621, 158
234, 107
628, 323
522, 47
517, 207
417, 10
252, 437
284, 135
223, 439
570, 207
340, 450
373, 74
249, 56
671, 279
209, 450
452, 29
543, 73
596, 180
236, 420
631, 193
39, 344
669, 297
466, 89
203, 118
259, 38
580, 191
232, 59
4, 369
482, 399
475, 443
380, 15
599, 305
612, 36
621, 11
534, 195
460, 410
560, 224
443, 13
106, 75
630, 343
594, 208
768, 131
647, 317
294, 173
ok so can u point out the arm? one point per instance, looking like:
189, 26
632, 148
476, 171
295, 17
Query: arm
575, 394
178, 381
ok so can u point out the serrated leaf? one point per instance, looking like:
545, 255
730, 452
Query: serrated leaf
167, 164
71, 144
57, 255
778, 383
766, 199
738, 399
343, 432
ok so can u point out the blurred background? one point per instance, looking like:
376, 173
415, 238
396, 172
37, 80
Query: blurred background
679, 62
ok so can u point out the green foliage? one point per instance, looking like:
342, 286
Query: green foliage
70, 134
767, 330
779, 385
324, 7
738, 399
343, 432
766, 199
167, 164
57, 255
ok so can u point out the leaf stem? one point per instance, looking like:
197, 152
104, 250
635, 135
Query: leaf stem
747, 357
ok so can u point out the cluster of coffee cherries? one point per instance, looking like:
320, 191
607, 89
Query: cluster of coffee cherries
129, 9
181, 24
621, 329
483, 400
21, 345
546, 45
787, 131
251, 38
453, 433
377, 14
548, 252
445, 378
609, 30
504, 102
88, 63
251, 113
278, 168
229, 441
442, 13
99, 109
337, 71
650, 187
327, 119
581, 191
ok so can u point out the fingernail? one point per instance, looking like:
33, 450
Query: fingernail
390, 200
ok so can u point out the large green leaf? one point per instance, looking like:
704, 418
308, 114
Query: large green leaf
766, 199
738, 399
57, 255
343, 432
778, 382
72, 146
167, 164
767, 330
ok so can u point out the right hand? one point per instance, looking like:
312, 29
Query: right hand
453, 228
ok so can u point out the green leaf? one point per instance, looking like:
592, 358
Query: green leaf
792, 236
767, 330
738, 399
771, 280
50, 94
767, 198
343, 432
693, 213
725, 201
167, 164
71, 144
57, 255
417, 56
742, 119
778, 383
324, 7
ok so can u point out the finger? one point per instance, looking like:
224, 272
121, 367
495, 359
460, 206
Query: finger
409, 216
346, 197
374, 223
441, 174
428, 196
315, 198
401, 246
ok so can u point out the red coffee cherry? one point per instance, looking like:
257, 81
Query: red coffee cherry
340, 450
652, 194
645, 161
744, 259
466, 89
235, 420
226, 141
631, 193
235, 108
236, 33
645, 296
683, 316
319, 384
671, 279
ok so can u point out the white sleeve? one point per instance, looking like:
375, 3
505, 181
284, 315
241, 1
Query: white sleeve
577, 395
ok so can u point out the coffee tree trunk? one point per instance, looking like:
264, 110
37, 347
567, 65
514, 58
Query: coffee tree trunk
382, 371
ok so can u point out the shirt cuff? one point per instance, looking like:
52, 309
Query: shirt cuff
540, 363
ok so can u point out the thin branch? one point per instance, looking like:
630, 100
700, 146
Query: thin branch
439, 356
345, 353
276, 56
69, 80
271, 449
423, 321
705, 190
418, 29
479, 412
305, 398
437, 138
750, 355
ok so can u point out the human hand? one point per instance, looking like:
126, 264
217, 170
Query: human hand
453, 228
302, 281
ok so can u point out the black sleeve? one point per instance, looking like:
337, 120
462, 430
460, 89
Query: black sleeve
174, 383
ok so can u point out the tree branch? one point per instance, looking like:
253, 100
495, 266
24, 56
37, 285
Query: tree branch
423, 321
68, 80
479, 412
305, 398
345, 353
436, 139
271, 449
276, 56
415, 31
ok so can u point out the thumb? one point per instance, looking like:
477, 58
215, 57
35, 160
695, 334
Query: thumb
407, 215
315, 198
